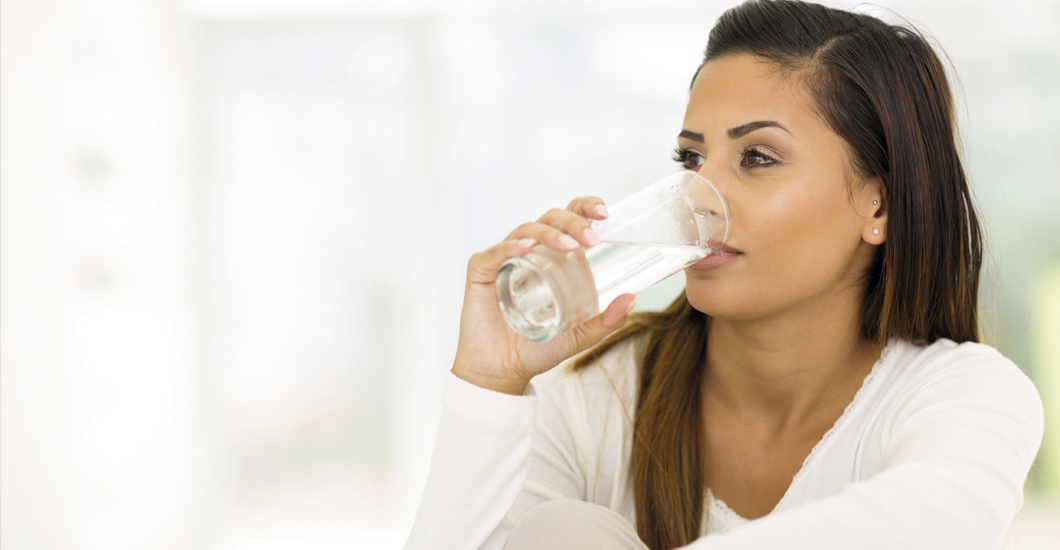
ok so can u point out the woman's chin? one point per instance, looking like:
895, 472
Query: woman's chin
711, 305
711, 298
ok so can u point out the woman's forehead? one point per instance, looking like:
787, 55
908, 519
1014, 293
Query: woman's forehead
738, 88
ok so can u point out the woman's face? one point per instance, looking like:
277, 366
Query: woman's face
800, 220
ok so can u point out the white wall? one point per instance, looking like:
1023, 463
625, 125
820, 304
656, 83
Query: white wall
102, 433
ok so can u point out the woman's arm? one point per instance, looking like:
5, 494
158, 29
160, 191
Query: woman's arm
957, 453
485, 436
477, 470
496, 457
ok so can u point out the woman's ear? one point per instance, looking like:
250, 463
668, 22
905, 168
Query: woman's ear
873, 199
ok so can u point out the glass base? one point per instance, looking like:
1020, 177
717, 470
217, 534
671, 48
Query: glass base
546, 292
528, 301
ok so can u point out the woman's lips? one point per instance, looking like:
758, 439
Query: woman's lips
721, 257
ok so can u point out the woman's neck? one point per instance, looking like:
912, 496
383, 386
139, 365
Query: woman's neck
784, 370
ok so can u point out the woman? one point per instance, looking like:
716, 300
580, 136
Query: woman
821, 378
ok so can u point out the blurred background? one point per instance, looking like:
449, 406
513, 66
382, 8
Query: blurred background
234, 236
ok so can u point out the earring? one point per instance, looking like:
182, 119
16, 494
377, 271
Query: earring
876, 231
874, 203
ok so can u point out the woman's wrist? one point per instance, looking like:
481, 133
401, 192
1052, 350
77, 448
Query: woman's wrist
511, 386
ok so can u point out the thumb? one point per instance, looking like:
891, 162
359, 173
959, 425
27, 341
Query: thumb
592, 331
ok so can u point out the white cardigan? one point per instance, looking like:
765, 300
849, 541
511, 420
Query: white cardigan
931, 453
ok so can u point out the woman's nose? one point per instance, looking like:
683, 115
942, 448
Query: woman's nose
713, 207
717, 178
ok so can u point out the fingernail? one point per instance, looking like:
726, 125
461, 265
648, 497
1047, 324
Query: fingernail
601, 210
590, 236
527, 242
568, 242
631, 304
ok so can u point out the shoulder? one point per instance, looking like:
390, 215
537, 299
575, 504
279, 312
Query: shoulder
977, 368
947, 379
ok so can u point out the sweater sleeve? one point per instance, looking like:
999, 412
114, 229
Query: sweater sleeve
957, 451
492, 452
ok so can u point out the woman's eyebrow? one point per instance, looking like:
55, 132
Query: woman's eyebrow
691, 135
737, 132
743, 130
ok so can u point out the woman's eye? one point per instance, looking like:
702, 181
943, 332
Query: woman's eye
689, 160
754, 158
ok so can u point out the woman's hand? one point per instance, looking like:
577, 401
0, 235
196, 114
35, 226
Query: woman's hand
489, 353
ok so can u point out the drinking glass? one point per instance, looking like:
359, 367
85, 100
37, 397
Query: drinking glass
648, 236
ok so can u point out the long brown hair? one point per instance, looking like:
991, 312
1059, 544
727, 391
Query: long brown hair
884, 91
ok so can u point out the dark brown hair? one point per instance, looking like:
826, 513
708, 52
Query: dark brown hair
883, 90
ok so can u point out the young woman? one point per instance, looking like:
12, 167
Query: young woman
818, 385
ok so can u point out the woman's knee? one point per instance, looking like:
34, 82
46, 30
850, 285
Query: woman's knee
567, 523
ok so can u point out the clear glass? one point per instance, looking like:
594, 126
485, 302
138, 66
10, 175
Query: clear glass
648, 236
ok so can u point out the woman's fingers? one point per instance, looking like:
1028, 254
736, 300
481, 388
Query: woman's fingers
547, 235
559, 230
562, 230
588, 207
572, 224
565, 230
587, 334
483, 266
615, 314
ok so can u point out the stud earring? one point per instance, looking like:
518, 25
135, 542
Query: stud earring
876, 231
874, 203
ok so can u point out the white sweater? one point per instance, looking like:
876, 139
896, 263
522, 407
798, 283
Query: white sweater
931, 453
